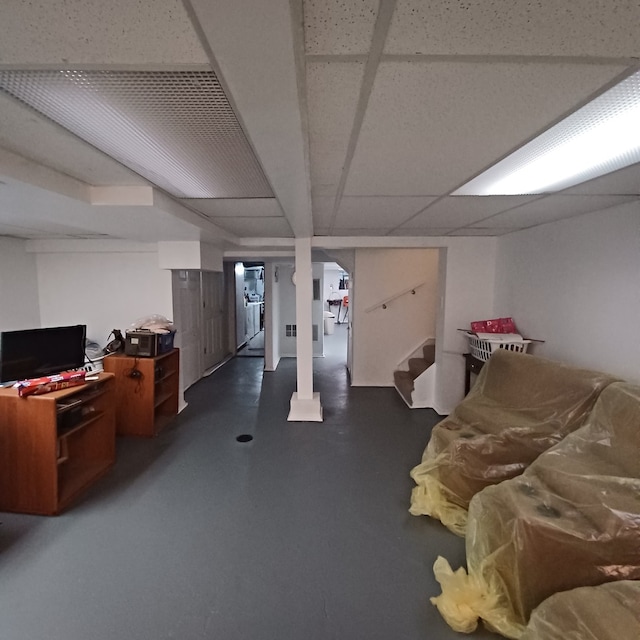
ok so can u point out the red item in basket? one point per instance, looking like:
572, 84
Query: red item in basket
497, 325
46, 384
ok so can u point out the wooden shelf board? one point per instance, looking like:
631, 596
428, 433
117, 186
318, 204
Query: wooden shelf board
83, 425
162, 398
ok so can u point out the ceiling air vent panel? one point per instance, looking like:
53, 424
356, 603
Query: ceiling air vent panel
176, 129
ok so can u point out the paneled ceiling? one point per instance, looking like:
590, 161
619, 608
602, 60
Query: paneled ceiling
240, 122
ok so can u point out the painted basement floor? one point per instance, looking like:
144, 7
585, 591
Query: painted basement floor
301, 534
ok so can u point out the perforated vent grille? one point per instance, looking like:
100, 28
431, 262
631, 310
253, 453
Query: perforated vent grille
601, 137
177, 129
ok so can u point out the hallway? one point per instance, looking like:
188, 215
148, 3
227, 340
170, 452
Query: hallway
302, 533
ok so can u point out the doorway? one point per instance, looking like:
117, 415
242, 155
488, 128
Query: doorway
250, 320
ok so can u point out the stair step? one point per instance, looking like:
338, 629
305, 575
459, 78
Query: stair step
417, 366
404, 384
429, 354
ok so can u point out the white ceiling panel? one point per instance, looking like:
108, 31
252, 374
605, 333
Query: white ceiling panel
432, 232
56, 32
361, 231
481, 231
38, 209
333, 89
551, 208
256, 227
45, 229
24, 131
623, 182
459, 211
230, 207
431, 126
515, 27
339, 27
377, 212
322, 210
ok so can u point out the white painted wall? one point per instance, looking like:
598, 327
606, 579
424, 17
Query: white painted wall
287, 310
384, 337
271, 316
104, 290
19, 305
576, 285
467, 276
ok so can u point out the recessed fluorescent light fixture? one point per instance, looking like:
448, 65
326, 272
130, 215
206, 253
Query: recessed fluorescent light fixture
175, 128
601, 137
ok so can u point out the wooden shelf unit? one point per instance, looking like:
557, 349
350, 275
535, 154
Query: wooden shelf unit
46, 460
146, 392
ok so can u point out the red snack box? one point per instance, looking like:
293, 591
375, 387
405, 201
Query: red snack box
46, 384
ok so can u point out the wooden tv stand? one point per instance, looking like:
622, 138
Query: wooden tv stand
54, 446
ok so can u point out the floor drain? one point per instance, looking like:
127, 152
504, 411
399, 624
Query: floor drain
245, 437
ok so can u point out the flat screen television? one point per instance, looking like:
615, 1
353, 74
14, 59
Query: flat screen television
32, 353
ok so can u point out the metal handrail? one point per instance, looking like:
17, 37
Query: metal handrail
383, 304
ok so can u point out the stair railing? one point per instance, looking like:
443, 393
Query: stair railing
383, 304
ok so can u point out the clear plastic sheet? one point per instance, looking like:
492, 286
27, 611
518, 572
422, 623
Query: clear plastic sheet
607, 612
520, 406
571, 520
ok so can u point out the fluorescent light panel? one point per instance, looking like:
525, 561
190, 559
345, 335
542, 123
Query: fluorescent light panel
601, 137
177, 129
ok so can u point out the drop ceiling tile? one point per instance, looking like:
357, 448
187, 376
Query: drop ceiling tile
515, 27
343, 231
322, 210
425, 232
333, 89
231, 207
623, 182
552, 208
121, 32
256, 227
377, 212
459, 211
339, 27
481, 231
430, 127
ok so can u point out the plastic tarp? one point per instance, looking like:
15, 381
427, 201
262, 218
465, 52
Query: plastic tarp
520, 406
607, 612
571, 520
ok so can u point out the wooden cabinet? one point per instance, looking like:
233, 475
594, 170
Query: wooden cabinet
54, 446
146, 392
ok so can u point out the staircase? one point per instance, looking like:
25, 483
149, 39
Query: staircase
417, 384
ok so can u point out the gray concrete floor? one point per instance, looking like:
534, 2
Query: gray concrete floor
301, 534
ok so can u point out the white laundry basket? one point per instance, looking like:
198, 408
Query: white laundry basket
482, 345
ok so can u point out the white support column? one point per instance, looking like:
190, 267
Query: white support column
305, 404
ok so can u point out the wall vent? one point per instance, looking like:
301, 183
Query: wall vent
290, 330
316, 288
315, 333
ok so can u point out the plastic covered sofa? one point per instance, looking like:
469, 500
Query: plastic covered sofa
609, 611
571, 520
520, 406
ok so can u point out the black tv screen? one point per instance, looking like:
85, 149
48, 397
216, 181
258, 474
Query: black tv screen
32, 353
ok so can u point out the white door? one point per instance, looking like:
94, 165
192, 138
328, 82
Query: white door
213, 319
187, 318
